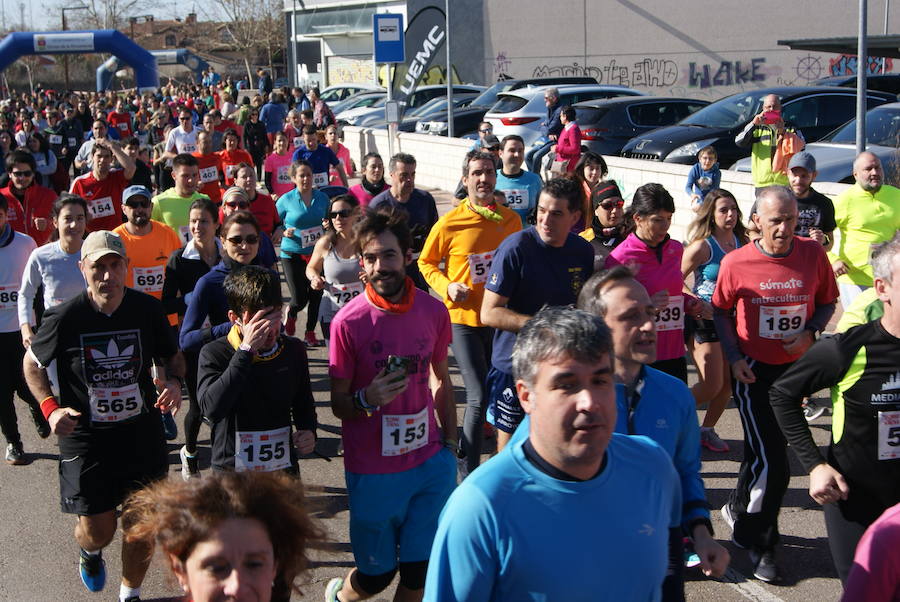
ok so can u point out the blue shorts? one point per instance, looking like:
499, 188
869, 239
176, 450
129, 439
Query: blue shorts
398, 510
503, 410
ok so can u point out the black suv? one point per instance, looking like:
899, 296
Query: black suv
465, 121
815, 111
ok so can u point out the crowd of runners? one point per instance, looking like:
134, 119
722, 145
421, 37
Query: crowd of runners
144, 240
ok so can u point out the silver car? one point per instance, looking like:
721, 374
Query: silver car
836, 152
521, 111
419, 97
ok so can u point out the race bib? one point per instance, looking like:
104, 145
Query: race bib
516, 199
480, 265
340, 294
149, 280
55, 139
115, 404
229, 171
320, 179
209, 174
672, 316
262, 451
123, 127
298, 141
73, 141
101, 207
187, 147
9, 297
284, 174
403, 433
782, 321
309, 236
40, 162
889, 435
185, 233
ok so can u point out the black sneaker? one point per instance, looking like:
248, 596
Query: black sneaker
15, 455
764, 567
133, 599
43, 427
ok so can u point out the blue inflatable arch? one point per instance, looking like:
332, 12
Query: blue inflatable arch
107, 71
24, 43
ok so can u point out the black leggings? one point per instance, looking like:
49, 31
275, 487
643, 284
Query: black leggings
295, 273
194, 417
12, 381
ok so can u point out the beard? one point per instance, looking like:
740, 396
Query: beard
388, 284
140, 220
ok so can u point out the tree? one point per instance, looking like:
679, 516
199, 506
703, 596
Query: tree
254, 25
98, 14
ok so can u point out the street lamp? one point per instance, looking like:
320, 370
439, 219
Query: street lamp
64, 28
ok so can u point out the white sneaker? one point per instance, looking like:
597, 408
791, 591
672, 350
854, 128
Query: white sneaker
333, 588
189, 468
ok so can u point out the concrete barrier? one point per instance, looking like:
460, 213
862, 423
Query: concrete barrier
439, 165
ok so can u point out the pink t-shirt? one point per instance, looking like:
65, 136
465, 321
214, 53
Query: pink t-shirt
404, 433
876, 566
343, 155
362, 195
280, 168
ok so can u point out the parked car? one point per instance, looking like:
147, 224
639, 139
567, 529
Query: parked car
335, 93
836, 152
607, 124
522, 111
816, 111
362, 99
885, 82
419, 97
412, 117
349, 116
465, 121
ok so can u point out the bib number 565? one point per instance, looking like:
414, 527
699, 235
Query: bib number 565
116, 405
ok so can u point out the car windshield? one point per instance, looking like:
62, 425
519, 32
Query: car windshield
727, 113
882, 128
489, 96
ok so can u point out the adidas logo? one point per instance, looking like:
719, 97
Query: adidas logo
113, 358
891, 383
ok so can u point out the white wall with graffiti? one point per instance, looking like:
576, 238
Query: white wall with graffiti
693, 48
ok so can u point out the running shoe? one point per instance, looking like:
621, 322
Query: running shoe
812, 410
43, 427
133, 599
290, 326
764, 567
711, 441
333, 588
169, 426
15, 455
189, 468
93, 571
729, 519
311, 340
691, 558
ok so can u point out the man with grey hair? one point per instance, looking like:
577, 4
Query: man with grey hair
772, 298
550, 130
418, 204
859, 478
867, 213
494, 534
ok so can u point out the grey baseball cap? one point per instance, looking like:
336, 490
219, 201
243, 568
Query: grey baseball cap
100, 243
803, 159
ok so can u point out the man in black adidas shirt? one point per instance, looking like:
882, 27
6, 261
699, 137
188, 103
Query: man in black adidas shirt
254, 383
860, 477
111, 442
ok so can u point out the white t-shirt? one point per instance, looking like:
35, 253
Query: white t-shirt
181, 141
13, 258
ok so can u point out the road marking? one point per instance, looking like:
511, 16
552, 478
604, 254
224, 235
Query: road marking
749, 589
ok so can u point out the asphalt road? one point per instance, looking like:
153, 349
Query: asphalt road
39, 558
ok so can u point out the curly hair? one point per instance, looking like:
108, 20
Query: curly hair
179, 515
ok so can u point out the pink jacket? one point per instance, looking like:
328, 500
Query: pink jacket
568, 145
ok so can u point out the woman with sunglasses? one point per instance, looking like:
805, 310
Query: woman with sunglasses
607, 227
372, 183
232, 156
185, 268
334, 267
256, 140
206, 316
237, 199
277, 167
716, 230
302, 211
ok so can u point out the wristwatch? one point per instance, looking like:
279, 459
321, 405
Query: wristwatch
359, 402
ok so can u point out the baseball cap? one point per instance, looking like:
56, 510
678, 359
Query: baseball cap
803, 159
136, 190
100, 243
491, 140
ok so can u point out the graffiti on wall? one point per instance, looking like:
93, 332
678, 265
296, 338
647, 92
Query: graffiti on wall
726, 73
501, 65
847, 64
648, 72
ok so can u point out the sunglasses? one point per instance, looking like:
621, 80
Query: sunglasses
486, 131
238, 204
250, 239
134, 204
345, 213
184, 119
612, 204
23, 174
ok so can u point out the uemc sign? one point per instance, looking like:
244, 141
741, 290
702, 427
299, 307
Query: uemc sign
423, 58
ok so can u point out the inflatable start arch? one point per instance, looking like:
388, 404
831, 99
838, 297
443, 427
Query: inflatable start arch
24, 43
197, 65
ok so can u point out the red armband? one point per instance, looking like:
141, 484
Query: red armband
48, 405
